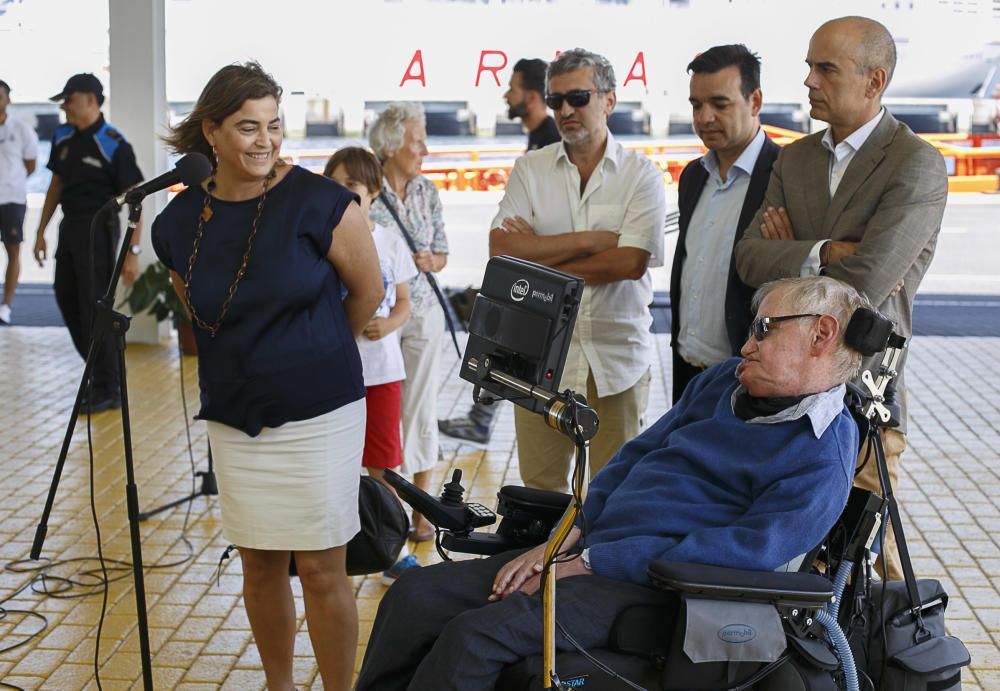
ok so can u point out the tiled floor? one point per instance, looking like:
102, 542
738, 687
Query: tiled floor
198, 628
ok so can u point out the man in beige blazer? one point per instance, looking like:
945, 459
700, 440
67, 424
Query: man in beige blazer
861, 201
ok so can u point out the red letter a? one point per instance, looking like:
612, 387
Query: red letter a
638, 71
415, 70
492, 69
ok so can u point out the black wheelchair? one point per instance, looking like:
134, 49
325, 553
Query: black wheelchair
646, 644
814, 614
821, 604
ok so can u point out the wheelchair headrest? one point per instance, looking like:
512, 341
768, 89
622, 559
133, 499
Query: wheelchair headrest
868, 332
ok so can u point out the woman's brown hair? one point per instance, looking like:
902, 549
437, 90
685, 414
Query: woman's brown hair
223, 95
360, 164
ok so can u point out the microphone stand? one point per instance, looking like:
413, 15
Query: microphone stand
568, 413
109, 322
209, 488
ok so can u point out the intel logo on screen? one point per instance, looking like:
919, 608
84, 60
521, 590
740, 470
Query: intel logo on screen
519, 290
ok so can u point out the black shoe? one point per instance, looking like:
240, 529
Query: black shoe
100, 404
466, 430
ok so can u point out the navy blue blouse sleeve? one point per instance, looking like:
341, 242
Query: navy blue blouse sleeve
339, 198
160, 245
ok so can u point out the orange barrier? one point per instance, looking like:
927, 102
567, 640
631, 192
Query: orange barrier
974, 160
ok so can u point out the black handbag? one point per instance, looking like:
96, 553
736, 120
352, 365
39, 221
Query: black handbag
904, 654
902, 645
384, 527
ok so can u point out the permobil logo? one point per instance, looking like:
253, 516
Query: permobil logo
519, 290
737, 633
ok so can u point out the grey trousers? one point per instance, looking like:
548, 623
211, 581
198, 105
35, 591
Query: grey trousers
435, 628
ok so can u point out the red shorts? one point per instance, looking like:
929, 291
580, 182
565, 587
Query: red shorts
383, 443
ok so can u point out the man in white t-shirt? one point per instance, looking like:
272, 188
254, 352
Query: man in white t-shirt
588, 207
18, 152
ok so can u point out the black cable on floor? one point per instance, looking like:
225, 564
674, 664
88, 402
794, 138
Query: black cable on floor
98, 578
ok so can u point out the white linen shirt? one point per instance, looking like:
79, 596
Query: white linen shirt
625, 194
18, 144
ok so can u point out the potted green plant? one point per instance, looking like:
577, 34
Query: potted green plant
153, 293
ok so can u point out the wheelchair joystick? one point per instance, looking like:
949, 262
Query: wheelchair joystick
453, 491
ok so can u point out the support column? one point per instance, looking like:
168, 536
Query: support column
137, 104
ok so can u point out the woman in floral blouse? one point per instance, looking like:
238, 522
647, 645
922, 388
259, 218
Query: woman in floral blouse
399, 140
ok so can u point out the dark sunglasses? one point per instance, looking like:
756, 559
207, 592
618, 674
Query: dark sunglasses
761, 326
577, 98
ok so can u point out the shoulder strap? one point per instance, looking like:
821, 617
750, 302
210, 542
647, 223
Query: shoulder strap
875, 438
430, 278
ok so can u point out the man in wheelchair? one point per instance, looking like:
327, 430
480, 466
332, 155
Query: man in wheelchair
749, 469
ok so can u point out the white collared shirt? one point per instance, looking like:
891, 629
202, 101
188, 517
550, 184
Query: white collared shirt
624, 194
843, 153
821, 408
841, 156
703, 339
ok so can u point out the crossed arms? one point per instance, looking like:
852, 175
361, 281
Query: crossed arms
873, 253
599, 256
593, 255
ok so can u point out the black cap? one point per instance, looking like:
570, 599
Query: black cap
84, 83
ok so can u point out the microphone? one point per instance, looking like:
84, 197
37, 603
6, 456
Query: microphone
190, 170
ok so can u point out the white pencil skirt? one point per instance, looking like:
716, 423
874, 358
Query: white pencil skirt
293, 487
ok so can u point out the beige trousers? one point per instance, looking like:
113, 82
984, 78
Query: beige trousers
420, 339
894, 444
546, 456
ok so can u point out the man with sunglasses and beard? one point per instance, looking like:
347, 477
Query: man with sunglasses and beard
750, 469
525, 99
588, 207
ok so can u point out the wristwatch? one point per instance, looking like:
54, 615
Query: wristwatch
135, 249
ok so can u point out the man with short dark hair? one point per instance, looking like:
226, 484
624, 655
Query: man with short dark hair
18, 151
750, 469
591, 208
91, 162
717, 196
861, 201
525, 100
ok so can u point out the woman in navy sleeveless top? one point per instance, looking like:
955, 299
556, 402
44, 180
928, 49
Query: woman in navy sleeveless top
279, 272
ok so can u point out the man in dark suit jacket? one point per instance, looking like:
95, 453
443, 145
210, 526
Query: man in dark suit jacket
717, 196
861, 201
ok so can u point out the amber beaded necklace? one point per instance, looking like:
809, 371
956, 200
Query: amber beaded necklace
203, 218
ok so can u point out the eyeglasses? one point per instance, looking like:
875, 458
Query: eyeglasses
577, 98
761, 326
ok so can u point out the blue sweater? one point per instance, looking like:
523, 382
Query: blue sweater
703, 486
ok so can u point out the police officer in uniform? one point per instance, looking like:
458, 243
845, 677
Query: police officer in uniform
90, 163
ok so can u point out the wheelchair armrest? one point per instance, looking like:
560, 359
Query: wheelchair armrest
531, 498
799, 589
